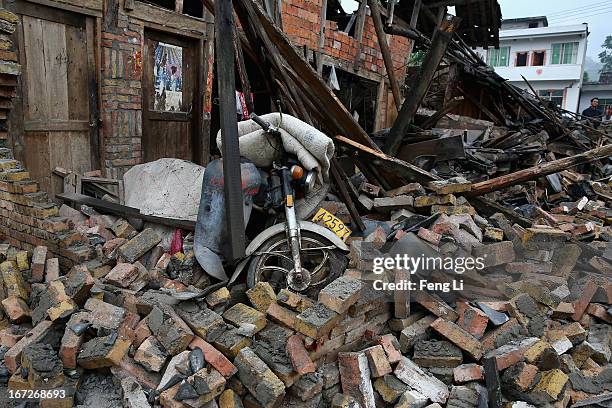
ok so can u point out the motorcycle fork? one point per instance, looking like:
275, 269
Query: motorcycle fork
293, 232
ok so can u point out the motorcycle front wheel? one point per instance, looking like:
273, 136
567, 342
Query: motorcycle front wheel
272, 262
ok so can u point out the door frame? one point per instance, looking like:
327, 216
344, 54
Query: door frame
92, 27
196, 114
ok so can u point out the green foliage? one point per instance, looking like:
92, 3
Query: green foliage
416, 59
585, 77
605, 56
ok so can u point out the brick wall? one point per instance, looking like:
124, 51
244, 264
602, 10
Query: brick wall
121, 83
29, 219
301, 24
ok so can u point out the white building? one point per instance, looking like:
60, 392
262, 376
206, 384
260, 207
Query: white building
550, 58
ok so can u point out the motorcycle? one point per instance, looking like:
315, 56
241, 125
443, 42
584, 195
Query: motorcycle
289, 253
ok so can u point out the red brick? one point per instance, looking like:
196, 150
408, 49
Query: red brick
71, 342
39, 258
52, 270
581, 304
471, 319
8, 339
459, 337
16, 309
298, 355
391, 346
12, 358
214, 357
468, 372
377, 361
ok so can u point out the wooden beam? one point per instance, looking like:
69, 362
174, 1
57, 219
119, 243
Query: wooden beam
107, 207
538, 171
340, 179
390, 11
414, 17
340, 120
234, 218
420, 84
321, 44
399, 167
242, 73
361, 16
386, 53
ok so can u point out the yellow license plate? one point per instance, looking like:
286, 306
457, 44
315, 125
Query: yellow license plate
332, 223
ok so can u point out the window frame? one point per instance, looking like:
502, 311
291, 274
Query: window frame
561, 58
526, 53
533, 55
498, 56
549, 95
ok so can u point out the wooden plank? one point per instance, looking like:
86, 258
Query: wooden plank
56, 69
77, 71
538, 171
79, 152
321, 41
340, 120
418, 87
37, 158
361, 17
229, 129
106, 207
60, 155
56, 125
36, 88
90, 7
343, 190
164, 18
94, 91
400, 167
386, 53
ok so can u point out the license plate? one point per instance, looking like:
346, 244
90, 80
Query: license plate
332, 223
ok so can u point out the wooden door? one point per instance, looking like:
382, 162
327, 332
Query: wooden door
170, 105
59, 93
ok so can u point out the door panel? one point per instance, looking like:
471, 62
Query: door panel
56, 89
170, 105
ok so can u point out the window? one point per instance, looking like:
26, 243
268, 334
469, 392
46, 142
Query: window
605, 103
193, 8
553, 95
168, 78
538, 58
533, 25
521, 59
564, 53
498, 57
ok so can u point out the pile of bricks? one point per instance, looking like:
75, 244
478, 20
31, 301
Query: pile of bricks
545, 341
9, 69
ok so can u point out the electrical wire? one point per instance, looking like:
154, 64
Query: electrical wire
581, 16
569, 11
579, 13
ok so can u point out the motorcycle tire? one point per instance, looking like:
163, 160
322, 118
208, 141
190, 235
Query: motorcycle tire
337, 263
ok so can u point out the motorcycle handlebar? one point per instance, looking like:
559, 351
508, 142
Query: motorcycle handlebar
264, 125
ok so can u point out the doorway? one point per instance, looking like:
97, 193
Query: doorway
171, 106
59, 92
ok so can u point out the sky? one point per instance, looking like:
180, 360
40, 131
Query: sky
596, 13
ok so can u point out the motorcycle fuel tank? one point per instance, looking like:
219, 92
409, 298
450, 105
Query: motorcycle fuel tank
211, 241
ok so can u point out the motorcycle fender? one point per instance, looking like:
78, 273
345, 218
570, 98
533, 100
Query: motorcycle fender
280, 229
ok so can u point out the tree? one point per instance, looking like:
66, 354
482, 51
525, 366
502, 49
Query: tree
585, 76
605, 56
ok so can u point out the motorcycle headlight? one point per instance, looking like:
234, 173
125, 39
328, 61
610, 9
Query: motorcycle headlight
309, 181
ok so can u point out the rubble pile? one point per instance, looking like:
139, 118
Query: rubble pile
531, 326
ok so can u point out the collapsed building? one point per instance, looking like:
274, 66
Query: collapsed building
106, 303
